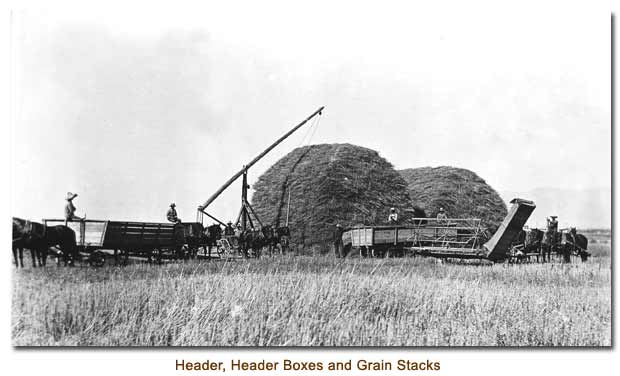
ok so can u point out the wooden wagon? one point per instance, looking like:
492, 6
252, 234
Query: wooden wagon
154, 241
425, 234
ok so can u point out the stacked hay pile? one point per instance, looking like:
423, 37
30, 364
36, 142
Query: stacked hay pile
462, 193
329, 184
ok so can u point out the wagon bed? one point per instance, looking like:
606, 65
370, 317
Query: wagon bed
102, 234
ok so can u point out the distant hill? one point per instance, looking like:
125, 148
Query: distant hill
587, 208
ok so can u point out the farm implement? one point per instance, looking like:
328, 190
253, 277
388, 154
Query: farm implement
442, 238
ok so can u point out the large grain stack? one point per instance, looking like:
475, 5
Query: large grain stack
462, 193
329, 184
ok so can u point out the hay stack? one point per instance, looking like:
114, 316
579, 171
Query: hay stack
329, 184
462, 193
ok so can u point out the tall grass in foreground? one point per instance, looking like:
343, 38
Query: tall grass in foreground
309, 301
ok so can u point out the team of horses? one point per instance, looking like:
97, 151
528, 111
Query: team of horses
39, 239
544, 245
274, 239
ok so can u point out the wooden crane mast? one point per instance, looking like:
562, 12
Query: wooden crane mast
246, 212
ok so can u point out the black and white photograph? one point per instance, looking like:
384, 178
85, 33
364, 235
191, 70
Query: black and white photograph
311, 175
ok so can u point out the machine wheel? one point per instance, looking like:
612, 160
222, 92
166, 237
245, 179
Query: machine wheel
158, 256
377, 253
97, 259
394, 252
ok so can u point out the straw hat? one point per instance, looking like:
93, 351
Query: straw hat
70, 196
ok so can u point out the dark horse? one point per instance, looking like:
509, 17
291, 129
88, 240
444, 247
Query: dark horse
577, 243
39, 238
270, 239
251, 239
212, 234
528, 242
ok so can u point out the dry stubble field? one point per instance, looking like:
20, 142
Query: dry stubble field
315, 301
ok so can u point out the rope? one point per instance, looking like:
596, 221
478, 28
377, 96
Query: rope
311, 128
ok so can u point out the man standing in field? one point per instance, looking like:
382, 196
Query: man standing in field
70, 208
338, 241
172, 214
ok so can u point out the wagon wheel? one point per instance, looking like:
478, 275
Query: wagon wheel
376, 253
363, 252
158, 256
121, 257
183, 252
97, 259
193, 252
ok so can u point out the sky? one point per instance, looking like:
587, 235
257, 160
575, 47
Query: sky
133, 110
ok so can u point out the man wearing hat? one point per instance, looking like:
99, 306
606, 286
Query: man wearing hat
549, 240
393, 217
229, 230
172, 214
442, 214
70, 208
338, 241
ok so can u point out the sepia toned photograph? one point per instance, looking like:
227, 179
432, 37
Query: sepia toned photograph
304, 175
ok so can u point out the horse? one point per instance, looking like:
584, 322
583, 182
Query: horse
245, 242
577, 243
527, 241
270, 238
212, 234
39, 238
258, 242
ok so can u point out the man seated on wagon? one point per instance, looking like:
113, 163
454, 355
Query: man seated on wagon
70, 208
442, 214
393, 217
172, 214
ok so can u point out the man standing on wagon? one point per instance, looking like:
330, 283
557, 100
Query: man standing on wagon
550, 237
70, 208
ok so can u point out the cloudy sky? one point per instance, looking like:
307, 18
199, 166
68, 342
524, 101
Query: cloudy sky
135, 109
